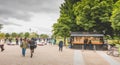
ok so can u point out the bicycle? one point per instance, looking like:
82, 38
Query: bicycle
112, 50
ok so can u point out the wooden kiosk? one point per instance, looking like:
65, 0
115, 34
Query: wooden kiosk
79, 37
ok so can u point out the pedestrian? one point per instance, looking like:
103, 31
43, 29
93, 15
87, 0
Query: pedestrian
54, 41
24, 45
33, 45
16, 41
9, 41
21, 40
2, 45
90, 45
85, 43
60, 45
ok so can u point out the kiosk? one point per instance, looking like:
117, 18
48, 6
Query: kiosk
77, 38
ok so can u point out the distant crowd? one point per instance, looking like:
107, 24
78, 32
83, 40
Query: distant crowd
26, 43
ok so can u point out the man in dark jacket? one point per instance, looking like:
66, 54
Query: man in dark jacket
60, 45
2, 47
33, 45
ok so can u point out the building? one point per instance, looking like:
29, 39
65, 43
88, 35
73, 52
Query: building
79, 37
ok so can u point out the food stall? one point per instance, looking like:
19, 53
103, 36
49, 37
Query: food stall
77, 38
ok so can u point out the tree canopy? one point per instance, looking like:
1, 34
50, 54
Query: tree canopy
44, 36
88, 15
115, 18
94, 15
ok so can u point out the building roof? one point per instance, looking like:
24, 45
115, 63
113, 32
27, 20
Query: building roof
86, 34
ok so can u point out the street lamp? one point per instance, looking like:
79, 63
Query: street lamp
30, 30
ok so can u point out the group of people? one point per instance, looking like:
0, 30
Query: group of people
88, 43
26, 43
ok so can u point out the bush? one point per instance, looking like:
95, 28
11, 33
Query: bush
114, 42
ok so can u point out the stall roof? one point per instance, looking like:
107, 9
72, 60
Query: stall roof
86, 34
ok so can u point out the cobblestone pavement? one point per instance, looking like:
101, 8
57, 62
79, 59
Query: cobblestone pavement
49, 55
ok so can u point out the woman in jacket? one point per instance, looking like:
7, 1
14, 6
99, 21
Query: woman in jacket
24, 45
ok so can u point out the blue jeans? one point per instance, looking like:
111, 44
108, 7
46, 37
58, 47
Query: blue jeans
90, 46
23, 51
85, 45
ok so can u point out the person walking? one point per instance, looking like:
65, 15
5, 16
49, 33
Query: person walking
33, 45
60, 45
24, 45
2, 45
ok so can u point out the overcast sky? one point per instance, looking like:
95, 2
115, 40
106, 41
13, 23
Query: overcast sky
21, 15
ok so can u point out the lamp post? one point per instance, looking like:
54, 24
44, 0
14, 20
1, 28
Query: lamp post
30, 30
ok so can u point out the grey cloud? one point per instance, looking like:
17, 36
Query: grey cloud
8, 23
20, 9
32, 5
6, 13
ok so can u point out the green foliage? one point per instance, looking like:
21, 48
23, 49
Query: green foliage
66, 21
2, 35
27, 34
7, 35
61, 30
21, 35
94, 15
87, 15
115, 18
14, 34
33, 34
44, 36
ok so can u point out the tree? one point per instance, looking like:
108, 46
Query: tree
34, 35
44, 36
7, 35
67, 16
2, 35
115, 18
84, 15
26, 34
66, 21
61, 30
94, 15
21, 35
14, 35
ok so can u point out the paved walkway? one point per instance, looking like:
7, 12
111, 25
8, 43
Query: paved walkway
49, 55
92, 58
108, 58
78, 58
